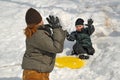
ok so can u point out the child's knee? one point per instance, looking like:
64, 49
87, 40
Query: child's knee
91, 51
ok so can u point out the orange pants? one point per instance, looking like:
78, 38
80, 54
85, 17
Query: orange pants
34, 75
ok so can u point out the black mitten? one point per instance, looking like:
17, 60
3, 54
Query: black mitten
66, 33
54, 22
90, 21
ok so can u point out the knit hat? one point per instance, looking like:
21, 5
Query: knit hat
79, 21
33, 16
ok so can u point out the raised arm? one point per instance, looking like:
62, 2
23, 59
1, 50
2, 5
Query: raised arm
90, 29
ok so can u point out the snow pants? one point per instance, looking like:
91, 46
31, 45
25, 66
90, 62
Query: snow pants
79, 49
34, 75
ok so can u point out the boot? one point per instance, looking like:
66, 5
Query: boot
82, 56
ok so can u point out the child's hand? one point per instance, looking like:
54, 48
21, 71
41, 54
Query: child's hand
90, 21
66, 33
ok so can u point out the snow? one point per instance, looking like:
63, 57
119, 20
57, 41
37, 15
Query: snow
104, 65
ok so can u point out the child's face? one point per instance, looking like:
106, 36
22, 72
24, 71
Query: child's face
79, 27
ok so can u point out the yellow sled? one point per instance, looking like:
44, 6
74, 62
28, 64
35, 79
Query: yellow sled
69, 62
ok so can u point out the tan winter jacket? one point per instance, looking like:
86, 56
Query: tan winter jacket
41, 50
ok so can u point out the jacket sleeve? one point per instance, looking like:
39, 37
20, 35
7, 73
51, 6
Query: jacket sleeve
48, 44
90, 29
72, 36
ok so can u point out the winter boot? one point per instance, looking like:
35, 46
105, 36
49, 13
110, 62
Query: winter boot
82, 56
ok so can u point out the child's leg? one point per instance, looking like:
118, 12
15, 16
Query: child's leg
74, 50
90, 50
78, 49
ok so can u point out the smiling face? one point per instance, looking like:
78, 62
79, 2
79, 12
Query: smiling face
79, 27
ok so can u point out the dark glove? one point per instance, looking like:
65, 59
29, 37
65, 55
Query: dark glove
54, 22
90, 21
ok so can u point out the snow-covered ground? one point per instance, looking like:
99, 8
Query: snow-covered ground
104, 65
